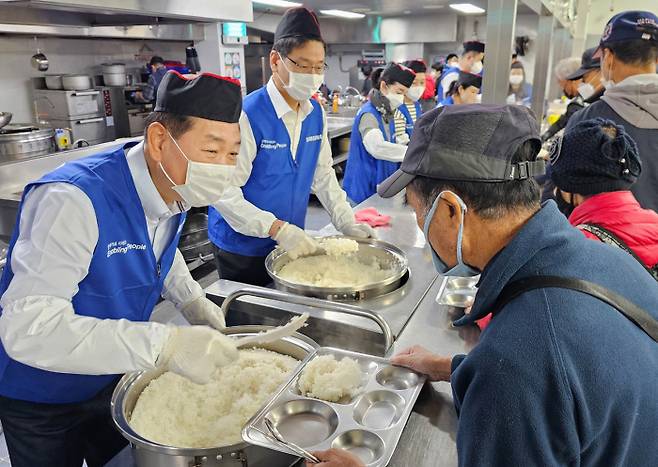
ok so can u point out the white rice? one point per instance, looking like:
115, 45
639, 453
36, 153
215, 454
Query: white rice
176, 412
328, 379
333, 271
339, 246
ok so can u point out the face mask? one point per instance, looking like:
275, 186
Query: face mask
515, 80
395, 100
301, 86
478, 99
453, 64
204, 183
586, 90
415, 92
460, 269
565, 207
476, 68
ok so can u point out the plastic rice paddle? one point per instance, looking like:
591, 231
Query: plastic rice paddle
274, 334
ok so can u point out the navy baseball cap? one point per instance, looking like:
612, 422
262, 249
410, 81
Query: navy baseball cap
587, 63
473, 143
629, 26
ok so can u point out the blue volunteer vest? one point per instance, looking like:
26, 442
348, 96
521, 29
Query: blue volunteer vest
277, 184
124, 279
440, 92
410, 122
445, 102
363, 172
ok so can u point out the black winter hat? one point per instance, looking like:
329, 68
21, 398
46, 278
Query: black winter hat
595, 156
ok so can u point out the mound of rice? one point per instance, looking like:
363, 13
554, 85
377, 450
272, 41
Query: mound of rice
330, 380
333, 271
339, 246
176, 412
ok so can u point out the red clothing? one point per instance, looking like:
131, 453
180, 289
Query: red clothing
620, 213
430, 87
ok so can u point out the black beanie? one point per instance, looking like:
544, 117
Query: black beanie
588, 161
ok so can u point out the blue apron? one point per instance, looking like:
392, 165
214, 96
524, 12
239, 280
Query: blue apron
124, 279
410, 122
277, 184
440, 92
363, 172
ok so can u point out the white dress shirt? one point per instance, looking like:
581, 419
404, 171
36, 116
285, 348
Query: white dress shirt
376, 143
248, 219
58, 235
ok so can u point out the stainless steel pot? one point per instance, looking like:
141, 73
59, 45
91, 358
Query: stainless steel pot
150, 454
114, 68
77, 82
386, 253
22, 141
5, 118
54, 82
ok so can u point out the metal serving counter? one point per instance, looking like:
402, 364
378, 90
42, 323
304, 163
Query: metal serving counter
429, 437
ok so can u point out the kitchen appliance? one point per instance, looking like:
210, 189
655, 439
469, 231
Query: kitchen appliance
40, 61
87, 113
54, 81
386, 254
194, 243
151, 454
192, 59
24, 140
114, 74
77, 82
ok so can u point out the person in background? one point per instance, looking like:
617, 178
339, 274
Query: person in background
367, 82
428, 99
284, 156
452, 60
595, 164
629, 53
519, 91
93, 250
515, 58
407, 114
158, 70
582, 85
466, 90
558, 378
470, 62
374, 152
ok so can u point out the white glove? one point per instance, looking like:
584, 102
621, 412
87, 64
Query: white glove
295, 241
402, 139
358, 230
205, 312
195, 352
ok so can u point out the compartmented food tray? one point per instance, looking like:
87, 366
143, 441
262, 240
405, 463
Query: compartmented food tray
458, 292
369, 424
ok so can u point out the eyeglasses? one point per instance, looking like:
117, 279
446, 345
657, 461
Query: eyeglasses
309, 69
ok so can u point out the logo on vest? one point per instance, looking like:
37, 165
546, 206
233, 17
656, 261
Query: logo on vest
271, 144
123, 247
310, 139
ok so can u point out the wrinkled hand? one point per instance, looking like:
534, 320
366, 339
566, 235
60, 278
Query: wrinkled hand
195, 352
358, 230
295, 241
421, 360
336, 458
204, 312
402, 139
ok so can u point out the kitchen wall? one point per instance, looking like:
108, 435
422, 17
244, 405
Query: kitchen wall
66, 55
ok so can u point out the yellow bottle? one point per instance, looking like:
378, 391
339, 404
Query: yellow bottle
334, 104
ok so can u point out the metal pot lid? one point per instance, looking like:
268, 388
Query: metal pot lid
18, 128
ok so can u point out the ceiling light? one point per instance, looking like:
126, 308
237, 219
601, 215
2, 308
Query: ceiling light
343, 14
467, 8
279, 3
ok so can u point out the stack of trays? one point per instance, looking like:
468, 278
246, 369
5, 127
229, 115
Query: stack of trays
459, 292
369, 424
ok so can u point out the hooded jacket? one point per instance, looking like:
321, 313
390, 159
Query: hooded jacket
633, 103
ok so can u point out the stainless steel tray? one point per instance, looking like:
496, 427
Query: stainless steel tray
369, 425
458, 292
369, 249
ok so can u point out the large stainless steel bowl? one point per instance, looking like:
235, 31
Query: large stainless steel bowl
150, 454
386, 253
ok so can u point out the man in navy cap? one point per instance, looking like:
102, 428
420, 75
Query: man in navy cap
285, 155
470, 61
94, 248
559, 377
629, 54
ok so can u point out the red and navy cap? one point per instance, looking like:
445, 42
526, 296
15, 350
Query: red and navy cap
474, 46
298, 22
399, 74
417, 66
629, 26
207, 95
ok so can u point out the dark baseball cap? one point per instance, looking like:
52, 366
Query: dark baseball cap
629, 26
588, 62
473, 143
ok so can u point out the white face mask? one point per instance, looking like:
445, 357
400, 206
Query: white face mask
476, 68
301, 86
415, 92
204, 183
586, 90
478, 99
515, 80
395, 100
